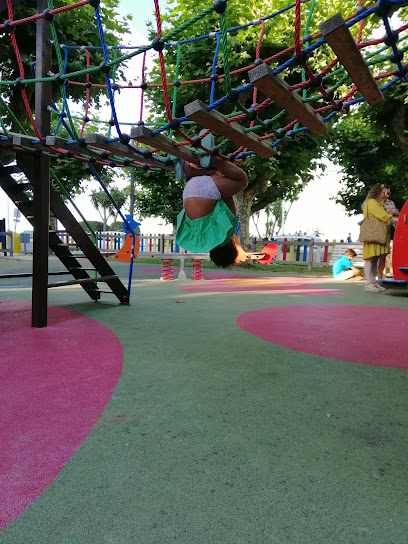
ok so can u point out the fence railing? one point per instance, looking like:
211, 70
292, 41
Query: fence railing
6, 242
294, 251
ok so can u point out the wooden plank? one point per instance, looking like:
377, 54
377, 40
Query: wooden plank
82, 281
99, 141
144, 135
279, 91
61, 143
340, 39
218, 123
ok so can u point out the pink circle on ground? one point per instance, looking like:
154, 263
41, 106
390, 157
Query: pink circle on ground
371, 335
54, 384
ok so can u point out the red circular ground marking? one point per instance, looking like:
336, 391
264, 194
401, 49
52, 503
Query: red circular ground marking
371, 335
54, 384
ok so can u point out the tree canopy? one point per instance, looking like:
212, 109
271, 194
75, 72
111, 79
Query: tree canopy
75, 27
372, 147
282, 176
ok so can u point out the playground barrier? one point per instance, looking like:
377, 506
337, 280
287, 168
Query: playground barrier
293, 251
6, 243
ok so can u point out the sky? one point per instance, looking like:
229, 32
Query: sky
315, 208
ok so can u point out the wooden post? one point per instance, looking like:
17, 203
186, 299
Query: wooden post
41, 204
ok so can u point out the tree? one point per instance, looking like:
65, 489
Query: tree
371, 146
95, 225
74, 27
274, 212
289, 171
102, 203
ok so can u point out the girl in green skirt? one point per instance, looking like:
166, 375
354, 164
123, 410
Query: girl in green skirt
208, 220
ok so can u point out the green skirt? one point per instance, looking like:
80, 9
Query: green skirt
206, 233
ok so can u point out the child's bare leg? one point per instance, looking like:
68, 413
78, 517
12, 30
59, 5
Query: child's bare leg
356, 272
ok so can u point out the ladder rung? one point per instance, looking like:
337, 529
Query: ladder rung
107, 292
84, 280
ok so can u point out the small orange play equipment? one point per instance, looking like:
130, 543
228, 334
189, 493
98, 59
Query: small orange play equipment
268, 253
124, 252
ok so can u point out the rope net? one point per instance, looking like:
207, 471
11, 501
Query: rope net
329, 90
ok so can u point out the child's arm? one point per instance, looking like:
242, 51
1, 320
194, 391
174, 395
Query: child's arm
232, 180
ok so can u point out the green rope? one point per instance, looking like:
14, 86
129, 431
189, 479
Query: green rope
67, 196
14, 118
304, 78
225, 52
61, 70
185, 25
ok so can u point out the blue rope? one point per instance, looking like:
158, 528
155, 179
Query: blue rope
106, 59
394, 47
132, 252
214, 66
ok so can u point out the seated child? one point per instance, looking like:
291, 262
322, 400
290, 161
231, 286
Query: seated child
343, 268
208, 220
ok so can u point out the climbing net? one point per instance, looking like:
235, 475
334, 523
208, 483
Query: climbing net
309, 104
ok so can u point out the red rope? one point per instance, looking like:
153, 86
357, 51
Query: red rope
297, 28
21, 72
257, 55
161, 59
40, 15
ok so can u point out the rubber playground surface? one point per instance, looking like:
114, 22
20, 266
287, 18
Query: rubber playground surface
249, 408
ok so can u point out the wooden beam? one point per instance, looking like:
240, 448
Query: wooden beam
279, 91
218, 123
144, 135
21, 140
340, 39
116, 148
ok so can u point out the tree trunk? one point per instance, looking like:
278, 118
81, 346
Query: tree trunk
243, 203
398, 124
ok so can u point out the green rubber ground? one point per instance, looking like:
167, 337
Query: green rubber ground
216, 436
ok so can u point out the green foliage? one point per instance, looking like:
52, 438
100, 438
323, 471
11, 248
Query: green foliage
102, 203
158, 193
371, 145
283, 176
74, 27
96, 226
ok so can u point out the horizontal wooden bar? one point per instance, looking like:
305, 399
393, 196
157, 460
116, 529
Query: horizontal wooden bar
82, 281
217, 122
144, 135
21, 140
340, 39
279, 91
117, 148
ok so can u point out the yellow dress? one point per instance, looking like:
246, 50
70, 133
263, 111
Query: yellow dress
373, 208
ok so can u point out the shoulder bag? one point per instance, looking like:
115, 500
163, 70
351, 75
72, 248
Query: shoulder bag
372, 230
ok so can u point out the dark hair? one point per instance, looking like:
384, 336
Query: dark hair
224, 255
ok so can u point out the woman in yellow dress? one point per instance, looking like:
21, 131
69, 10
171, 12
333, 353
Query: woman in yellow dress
372, 207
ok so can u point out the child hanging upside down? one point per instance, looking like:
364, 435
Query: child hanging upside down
343, 268
208, 221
